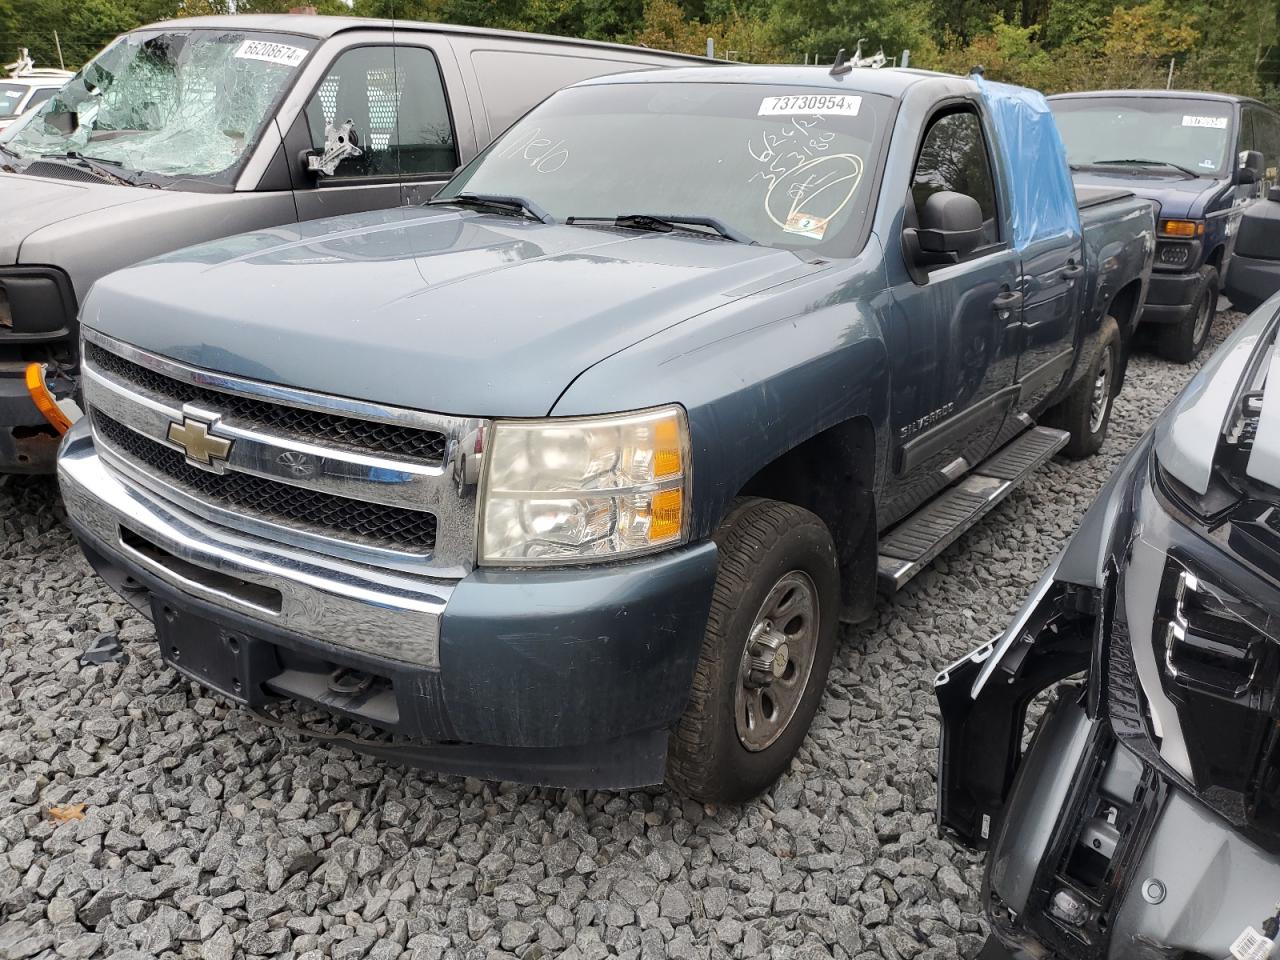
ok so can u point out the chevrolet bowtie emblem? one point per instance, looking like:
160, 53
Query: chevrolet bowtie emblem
202, 448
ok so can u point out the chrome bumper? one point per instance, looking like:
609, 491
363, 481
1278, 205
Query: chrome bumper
375, 612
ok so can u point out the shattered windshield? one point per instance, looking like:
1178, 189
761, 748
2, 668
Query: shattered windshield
168, 103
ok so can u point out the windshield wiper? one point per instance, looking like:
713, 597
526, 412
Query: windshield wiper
666, 222
503, 203
1148, 163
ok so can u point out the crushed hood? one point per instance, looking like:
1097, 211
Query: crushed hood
28, 204
436, 310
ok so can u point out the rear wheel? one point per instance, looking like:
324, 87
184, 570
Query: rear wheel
1182, 342
1086, 412
765, 655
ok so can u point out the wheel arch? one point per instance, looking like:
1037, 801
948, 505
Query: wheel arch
832, 474
1126, 309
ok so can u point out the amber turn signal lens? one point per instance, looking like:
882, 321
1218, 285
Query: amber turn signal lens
665, 515
44, 400
1182, 228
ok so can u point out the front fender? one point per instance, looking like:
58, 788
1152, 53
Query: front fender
757, 377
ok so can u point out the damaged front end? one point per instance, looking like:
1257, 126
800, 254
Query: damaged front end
1143, 817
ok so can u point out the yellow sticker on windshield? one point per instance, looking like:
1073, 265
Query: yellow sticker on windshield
806, 225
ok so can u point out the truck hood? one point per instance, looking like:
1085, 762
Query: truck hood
28, 204
1175, 197
461, 313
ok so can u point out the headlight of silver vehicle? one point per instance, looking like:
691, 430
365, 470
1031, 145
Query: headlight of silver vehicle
583, 489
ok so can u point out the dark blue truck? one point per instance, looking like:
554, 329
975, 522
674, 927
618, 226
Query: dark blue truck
569, 475
1204, 159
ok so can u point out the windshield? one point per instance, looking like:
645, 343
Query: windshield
1193, 134
11, 95
785, 167
174, 104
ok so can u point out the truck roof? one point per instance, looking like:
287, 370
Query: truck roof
321, 28
889, 81
1162, 94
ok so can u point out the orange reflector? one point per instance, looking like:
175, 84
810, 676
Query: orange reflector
665, 513
44, 400
666, 448
1182, 228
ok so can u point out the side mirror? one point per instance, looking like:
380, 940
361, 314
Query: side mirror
340, 142
1274, 194
1252, 167
950, 226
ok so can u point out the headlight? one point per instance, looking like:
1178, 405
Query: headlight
585, 489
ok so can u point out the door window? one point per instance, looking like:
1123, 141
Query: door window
395, 100
954, 157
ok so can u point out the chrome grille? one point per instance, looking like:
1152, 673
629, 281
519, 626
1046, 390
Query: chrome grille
369, 523
349, 480
367, 435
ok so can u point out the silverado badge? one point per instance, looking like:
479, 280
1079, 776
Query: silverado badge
203, 449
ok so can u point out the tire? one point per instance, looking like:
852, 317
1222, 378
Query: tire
1182, 342
1078, 414
765, 546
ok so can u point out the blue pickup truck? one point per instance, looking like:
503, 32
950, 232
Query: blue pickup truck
1204, 159
569, 475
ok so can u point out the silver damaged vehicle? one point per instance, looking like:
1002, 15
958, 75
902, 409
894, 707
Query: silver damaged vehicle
1143, 820
197, 129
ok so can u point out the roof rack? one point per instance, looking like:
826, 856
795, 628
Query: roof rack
25, 67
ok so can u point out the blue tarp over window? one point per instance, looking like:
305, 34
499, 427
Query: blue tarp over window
1044, 199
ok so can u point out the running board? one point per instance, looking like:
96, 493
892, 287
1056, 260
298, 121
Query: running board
907, 547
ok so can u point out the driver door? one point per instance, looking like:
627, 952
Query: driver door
955, 356
405, 149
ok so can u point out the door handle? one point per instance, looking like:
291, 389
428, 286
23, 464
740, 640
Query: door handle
1073, 270
1009, 300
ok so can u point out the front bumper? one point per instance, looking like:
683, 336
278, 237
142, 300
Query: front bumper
571, 677
27, 443
1170, 296
1252, 281
1173, 879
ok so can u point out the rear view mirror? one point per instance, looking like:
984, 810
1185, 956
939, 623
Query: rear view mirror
950, 224
65, 122
1252, 167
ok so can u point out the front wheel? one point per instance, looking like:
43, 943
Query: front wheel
1182, 342
765, 655
1086, 412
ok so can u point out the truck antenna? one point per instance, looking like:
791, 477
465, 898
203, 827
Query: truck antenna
841, 66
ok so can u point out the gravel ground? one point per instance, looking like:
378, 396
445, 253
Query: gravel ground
205, 834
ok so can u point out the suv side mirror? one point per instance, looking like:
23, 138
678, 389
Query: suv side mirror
1274, 194
1252, 167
